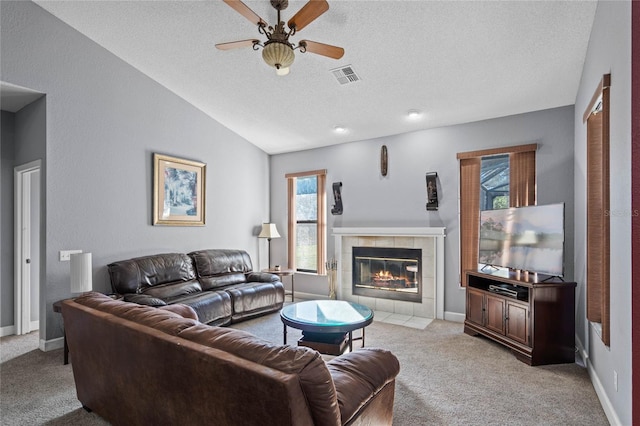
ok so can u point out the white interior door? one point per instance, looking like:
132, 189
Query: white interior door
27, 242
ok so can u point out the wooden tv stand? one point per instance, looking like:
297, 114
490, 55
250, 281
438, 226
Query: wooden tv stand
535, 319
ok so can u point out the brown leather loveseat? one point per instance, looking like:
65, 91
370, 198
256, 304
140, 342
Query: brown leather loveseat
137, 365
218, 284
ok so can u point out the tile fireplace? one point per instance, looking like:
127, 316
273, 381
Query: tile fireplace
426, 287
387, 272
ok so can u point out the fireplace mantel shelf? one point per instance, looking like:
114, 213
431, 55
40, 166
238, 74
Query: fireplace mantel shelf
390, 231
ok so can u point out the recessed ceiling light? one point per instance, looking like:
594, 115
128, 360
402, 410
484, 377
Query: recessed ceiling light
413, 114
340, 129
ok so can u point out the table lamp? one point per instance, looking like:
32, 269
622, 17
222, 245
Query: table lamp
269, 231
81, 272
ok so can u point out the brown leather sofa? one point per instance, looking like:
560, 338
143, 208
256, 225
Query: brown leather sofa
137, 365
219, 285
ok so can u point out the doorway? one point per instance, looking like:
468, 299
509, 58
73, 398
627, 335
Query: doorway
27, 212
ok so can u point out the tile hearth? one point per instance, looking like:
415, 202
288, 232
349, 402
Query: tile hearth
400, 319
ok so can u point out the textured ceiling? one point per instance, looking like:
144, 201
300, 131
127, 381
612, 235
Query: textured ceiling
453, 61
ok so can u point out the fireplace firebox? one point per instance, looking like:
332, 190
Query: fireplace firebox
388, 272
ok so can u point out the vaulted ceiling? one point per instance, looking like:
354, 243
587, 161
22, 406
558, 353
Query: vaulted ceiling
451, 61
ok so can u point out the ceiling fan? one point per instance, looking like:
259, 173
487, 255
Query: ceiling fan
277, 51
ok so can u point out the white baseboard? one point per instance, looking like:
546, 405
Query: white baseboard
609, 411
308, 296
53, 344
11, 329
454, 316
7, 331
581, 352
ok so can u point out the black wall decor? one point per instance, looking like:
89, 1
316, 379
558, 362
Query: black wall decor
384, 160
337, 206
432, 191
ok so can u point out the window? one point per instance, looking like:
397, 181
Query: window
488, 179
494, 182
307, 221
596, 118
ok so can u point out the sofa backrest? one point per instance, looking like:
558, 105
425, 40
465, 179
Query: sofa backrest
137, 275
221, 267
139, 365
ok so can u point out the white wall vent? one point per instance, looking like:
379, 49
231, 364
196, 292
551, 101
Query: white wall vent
345, 75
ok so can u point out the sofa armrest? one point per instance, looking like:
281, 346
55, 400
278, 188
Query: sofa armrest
262, 277
144, 299
358, 377
181, 309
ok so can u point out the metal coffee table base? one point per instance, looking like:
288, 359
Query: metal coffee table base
327, 343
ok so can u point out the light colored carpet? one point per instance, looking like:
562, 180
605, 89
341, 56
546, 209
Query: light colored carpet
446, 378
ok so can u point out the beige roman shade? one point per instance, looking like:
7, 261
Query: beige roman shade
598, 243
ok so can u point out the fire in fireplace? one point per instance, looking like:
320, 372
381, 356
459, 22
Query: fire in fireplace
388, 272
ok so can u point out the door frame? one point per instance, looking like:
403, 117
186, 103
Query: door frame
22, 245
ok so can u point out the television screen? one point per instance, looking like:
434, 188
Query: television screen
525, 238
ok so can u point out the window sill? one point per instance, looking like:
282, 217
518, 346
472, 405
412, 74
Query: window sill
312, 274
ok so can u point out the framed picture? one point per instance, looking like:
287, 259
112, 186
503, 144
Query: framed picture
178, 191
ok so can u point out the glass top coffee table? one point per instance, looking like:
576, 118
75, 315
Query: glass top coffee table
326, 325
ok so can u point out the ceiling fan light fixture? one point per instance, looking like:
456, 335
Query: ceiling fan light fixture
282, 71
278, 55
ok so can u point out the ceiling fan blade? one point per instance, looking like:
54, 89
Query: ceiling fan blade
334, 52
308, 14
244, 10
237, 44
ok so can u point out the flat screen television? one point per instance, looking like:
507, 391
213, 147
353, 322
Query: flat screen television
523, 238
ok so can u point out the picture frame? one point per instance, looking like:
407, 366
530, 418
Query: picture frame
179, 188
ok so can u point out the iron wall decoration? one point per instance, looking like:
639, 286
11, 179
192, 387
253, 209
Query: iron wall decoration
178, 191
337, 196
384, 160
432, 191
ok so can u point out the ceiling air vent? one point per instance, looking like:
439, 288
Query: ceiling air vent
345, 75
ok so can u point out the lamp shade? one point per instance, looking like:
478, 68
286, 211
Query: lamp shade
278, 55
269, 231
81, 272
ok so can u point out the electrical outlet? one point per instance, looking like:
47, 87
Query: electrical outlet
615, 380
65, 255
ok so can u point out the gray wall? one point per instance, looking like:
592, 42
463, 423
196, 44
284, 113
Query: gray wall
7, 127
104, 121
609, 52
399, 198
30, 144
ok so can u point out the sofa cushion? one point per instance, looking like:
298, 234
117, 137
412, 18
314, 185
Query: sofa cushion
221, 261
174, 289
143, 299
211, 282
307, 364
134, 275
255, 297
212, 307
